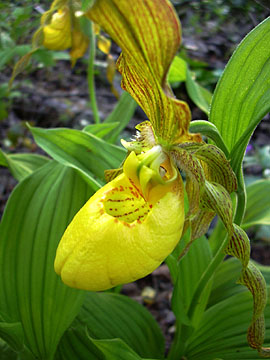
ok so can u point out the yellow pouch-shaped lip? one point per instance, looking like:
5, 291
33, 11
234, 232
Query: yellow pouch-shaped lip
118, 237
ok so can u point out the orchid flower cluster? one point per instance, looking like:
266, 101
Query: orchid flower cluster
133, 223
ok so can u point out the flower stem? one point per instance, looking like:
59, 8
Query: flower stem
210, 130
241, 199
90, 74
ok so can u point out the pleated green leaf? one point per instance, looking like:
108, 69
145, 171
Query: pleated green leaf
258, 209
116, 349
222, 331
242, 97
225, 281
190, 270
12, 333
80, 150
36, 215
111, 316
6, 352
75, 344
22, 165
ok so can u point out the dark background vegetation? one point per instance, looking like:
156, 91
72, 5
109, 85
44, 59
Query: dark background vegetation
49, 93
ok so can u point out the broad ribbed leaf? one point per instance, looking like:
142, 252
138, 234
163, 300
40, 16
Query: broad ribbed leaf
37, 213
190, 270
6, 352
258, 209
80, 150
225, 281
110, 316
222, 331
22, 165
116, 349
242, 96
12, 333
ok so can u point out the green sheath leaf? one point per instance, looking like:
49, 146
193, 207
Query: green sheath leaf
242, 97
104, 316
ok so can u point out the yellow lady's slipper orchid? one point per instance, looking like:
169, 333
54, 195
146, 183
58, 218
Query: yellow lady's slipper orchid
120, 234
130, 225
61, 30
57, 35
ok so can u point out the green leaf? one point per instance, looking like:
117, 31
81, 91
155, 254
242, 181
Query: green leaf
80, 150
37, 213
225, 281
177, 70
122, 113
101, 130
242, 96
191, 269
104, 315
6, 352
200, 96
257, 210
12, 333
116, 349
198, 258
22, 165
222, 331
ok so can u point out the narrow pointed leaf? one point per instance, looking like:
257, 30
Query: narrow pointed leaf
37, 213
101, 130
177, 70
200, 96
116, 349
22, 165
122, 113
80, 150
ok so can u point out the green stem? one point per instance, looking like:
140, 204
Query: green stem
210, 130
91, 75
241, 198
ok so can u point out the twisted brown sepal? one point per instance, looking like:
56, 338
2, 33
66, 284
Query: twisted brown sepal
149, 34
201, 163
208, 186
